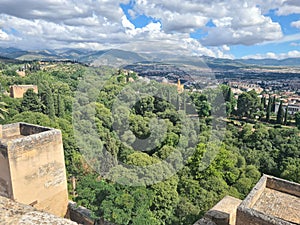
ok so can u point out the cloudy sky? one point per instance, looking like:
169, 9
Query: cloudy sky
218, 28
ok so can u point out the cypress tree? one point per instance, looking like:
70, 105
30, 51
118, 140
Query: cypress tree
263, 102
273, 104
297, 120
228, 95
31, 102
61, 106
286, 115
269, 110
48, 101
184, 102
280, 114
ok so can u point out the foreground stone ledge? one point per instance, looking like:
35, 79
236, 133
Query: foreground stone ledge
14, 213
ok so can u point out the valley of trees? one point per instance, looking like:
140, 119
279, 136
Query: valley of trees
220, 158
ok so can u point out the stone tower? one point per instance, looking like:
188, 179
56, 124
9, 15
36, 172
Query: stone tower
180, 87
32, 167
18, 91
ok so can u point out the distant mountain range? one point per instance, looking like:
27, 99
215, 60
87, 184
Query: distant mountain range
120, 57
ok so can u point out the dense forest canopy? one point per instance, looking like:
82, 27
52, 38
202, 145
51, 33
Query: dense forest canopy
141, 153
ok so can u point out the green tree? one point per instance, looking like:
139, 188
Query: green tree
2, 109
247, 104
264, 102
34, 118
286, 115
61, 106
201, 104
291, 169
47, 99
273, 104
269, 107
165, 199
280, 114
31, 102
297, 119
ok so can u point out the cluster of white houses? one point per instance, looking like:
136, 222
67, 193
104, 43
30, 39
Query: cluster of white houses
292, 108
291, 101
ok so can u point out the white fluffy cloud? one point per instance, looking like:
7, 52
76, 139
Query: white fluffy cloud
3, 36
237, 21
272, 55
99, 24
289, 7
296, 24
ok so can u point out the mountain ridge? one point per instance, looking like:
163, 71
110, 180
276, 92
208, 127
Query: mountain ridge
120, 57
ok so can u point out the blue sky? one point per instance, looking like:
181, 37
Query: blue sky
217, 28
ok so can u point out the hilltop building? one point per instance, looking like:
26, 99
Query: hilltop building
180, 87
292, 108
21, 73
239, 87
18, 91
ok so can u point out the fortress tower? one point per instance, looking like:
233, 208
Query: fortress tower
180, 87
18, 91
32, 167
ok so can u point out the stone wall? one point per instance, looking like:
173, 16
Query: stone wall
83, 216
79, 214
17, 91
